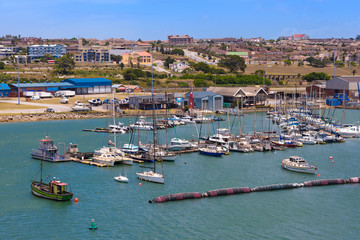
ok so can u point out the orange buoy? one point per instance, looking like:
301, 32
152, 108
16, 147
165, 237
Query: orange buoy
139, 183
332, 161
319, 175
330, 157
76, 199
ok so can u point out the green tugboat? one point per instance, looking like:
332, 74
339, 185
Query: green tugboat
54, 190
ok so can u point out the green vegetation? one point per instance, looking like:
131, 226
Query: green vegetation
317, 62
2, 65
200, 83
205, 68
183, 84
316, 76
168, 61
234, 63
115, 58
64, 65
228, 79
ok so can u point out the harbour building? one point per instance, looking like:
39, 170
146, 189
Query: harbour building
90, 85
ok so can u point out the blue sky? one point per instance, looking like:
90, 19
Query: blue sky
156, 19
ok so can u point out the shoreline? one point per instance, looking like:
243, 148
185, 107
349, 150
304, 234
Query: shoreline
34, 117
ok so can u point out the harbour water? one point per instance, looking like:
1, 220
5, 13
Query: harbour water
122, 211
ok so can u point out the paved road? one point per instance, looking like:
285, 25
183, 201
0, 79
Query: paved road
56, 107
195, 56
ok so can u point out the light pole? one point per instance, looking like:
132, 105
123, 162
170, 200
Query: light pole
18, 80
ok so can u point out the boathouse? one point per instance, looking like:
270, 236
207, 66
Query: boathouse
4, 90
90, 85
250, 95
206, 100
349, 84
146, 102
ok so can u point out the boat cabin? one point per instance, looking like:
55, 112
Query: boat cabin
57, 187
297, 159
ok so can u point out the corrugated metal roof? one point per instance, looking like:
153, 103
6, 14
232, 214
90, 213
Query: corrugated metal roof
4, 86
350, 78
50, 84
204, 94
88, 81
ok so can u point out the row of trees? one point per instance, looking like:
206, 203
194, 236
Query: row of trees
200, 80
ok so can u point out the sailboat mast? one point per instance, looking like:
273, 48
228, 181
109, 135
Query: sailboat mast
41, 167
153, 107
114, 116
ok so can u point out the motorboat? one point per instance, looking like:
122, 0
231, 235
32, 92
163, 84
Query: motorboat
187, 119
297, 164
349, 131
141, 125
119, 128
130, 148
80, 107
177, 144
240, 146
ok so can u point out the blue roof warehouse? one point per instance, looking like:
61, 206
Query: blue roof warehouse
79, 85
4, 90
90, 85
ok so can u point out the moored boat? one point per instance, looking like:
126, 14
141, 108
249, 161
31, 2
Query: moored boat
55, 190
297, 164
49, 152
211, 151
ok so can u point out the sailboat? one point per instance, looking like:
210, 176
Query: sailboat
151, 175
54, 190
121, 177
111, 155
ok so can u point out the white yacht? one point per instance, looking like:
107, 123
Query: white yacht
298, 164
349, 131
177, 144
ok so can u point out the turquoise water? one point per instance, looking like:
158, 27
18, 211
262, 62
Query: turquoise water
122, 211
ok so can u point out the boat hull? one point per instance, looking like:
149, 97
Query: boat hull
37, 191
301, 170
121, 179
215, 154
50, 159
151, 177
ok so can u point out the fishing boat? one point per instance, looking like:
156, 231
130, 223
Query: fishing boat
211, 150
54, 190
49, 152
297, 164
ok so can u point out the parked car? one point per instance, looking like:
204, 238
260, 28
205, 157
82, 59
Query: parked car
64, 100
95, 101
35, 98
51, 110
